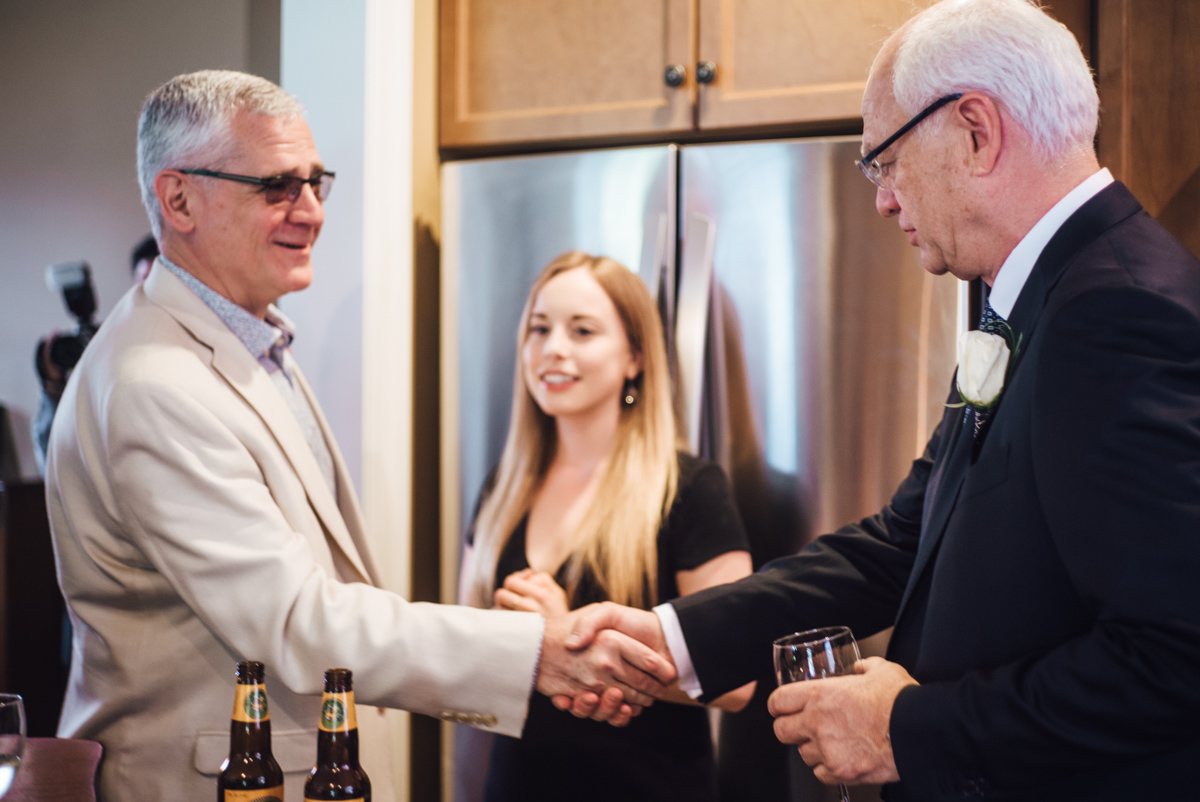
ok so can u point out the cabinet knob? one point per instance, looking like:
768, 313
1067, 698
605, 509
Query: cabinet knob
706, 72
674, 74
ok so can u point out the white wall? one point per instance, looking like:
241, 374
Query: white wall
323, 66
350, 64
72, 79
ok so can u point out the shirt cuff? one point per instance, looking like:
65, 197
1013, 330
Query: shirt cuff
537, 664
689, 683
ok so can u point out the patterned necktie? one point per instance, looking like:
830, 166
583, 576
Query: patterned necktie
989, 323
992, 323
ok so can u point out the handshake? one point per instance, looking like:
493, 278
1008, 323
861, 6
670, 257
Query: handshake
605, 662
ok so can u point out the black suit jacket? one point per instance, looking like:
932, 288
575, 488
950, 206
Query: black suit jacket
1044, 582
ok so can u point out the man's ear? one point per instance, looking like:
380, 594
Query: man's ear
977, 115
176, 198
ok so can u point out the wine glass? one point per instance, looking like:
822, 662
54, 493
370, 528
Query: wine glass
816, 654
12, 738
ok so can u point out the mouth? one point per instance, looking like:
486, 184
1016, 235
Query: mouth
554, 380
912, 235
293, 246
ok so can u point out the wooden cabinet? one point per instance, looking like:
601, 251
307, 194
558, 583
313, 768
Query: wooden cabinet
790, 61
540, 70
520, 74
522, 71
1149, 77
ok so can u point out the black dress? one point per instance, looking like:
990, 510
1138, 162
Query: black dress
666, 752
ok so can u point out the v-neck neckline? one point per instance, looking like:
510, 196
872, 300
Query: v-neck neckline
522, 532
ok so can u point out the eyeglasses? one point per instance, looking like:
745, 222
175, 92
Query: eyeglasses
878, 173
278, 188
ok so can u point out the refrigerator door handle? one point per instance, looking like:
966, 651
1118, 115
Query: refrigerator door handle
654, 281
691, 317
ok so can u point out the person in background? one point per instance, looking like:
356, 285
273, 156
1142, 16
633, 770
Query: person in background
202, 513
1039, 562
593, 501
142, 258
53, 379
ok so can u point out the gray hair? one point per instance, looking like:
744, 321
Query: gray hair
1011, 51
189, 119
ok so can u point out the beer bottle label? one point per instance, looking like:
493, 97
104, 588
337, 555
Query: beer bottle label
338, 713
258, 794
250, 705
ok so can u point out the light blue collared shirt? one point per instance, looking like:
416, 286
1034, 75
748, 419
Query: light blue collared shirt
268, 341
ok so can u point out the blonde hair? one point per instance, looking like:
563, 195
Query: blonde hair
617, 542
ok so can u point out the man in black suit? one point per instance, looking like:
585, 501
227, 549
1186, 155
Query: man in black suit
1040, 561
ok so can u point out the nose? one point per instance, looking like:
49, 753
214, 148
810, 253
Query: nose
886, 203
557, 342
307, 209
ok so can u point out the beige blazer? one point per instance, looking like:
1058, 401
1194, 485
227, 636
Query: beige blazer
192, 528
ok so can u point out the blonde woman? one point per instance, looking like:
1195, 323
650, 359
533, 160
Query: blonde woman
592, 502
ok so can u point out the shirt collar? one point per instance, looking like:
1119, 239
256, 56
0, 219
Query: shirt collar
263, 338
1019, 264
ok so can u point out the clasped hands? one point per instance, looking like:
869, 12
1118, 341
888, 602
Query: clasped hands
840, 724
611, 676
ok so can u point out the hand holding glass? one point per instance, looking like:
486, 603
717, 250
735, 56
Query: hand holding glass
816, 654
12, 738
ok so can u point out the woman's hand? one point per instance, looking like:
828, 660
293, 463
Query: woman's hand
534, 592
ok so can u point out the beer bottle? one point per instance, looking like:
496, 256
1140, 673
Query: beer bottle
337, 775
250, 773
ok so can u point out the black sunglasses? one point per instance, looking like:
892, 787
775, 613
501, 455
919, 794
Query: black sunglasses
278, 188
876, 172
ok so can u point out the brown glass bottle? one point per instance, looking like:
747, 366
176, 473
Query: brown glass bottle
337, 775
250, 773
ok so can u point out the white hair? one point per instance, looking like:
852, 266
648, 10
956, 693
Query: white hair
189, 119
1013, 52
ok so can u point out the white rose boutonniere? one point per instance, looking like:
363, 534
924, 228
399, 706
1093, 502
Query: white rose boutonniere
982, 366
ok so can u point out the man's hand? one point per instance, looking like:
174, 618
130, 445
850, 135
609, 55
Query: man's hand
841, 723
599, 667
594, 620
641, 625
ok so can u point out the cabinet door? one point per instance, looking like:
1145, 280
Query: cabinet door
788, 61
1148, 64
540, 70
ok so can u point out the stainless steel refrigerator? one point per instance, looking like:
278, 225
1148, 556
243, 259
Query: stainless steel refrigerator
812, 353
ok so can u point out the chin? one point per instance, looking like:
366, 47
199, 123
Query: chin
299, 278
934, 263
551, 407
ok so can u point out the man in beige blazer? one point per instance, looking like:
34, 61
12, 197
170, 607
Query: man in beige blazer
201, 510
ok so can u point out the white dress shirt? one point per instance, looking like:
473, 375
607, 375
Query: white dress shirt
1019, 264
1009, 281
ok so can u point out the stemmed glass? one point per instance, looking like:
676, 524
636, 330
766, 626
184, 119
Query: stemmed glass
816, 654
12, 738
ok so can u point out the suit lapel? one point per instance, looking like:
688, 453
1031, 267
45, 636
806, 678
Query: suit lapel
241, 370
1109, 207
941, 494
347, 504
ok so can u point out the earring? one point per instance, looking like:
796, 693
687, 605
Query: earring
630, 396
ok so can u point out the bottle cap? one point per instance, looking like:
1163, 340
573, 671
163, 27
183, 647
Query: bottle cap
339, 679
250, 671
